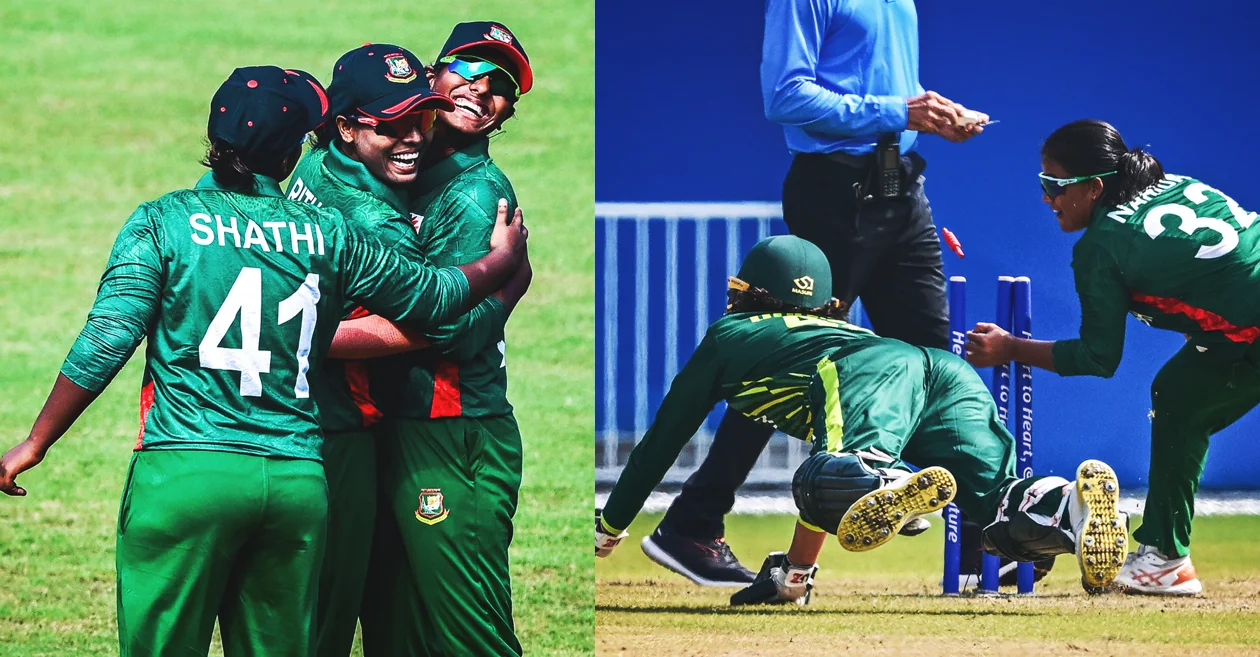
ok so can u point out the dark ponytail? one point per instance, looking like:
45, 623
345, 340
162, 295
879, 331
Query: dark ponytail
234, 170
1088, 147
230, 171
1137, 170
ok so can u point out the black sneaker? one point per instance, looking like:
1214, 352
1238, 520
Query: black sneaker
707, 563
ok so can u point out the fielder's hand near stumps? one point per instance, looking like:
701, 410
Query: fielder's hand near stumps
606, 540
779, 582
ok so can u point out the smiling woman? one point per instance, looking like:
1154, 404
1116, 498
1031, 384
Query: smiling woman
362, 164
384, 111
1176, 253
411, 167
456, 392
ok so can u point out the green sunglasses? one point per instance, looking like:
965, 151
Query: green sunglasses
475, 68
1055, 186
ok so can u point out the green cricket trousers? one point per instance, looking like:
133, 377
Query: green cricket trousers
350, 466
1201, 390
892, 403
438, 583
205, 535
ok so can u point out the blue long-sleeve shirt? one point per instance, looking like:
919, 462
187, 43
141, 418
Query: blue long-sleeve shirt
836, 73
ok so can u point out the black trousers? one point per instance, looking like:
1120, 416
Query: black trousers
884, 251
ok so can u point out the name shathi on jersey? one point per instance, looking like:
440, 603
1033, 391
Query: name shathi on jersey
216, 229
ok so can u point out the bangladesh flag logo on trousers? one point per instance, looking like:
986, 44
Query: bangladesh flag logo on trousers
431, 510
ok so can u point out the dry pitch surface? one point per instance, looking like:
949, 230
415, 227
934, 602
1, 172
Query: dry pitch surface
887, 602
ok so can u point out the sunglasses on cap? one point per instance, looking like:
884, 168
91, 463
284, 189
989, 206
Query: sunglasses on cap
475, 68
400, 126
1053, 187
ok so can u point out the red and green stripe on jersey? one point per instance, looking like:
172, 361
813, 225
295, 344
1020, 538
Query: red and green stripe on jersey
1180, 256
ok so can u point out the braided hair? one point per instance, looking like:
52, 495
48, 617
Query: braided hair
751, 299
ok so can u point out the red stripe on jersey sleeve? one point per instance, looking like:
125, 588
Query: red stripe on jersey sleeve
446, 401
1206, 319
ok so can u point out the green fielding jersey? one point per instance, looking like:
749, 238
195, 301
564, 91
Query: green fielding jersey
328, 178
761, 364
465, 373
239, 296
1180, 256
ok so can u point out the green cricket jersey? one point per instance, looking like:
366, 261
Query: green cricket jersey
465, 374
1181, 256
761, 364
326, 177
240, 296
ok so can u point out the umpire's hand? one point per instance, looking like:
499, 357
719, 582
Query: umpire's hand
935, 114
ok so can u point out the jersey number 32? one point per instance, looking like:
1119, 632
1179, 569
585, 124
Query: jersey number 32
1196, 193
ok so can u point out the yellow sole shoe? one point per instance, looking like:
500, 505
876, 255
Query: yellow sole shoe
1101, 536
878, 515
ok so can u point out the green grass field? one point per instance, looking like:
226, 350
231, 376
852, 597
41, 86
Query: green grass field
105, 107
887, 602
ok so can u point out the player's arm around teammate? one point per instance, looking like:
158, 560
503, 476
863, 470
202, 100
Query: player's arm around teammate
1179, 255
451, 451
362, 161
224, 507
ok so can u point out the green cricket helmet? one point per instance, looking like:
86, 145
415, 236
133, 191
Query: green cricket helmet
791, 269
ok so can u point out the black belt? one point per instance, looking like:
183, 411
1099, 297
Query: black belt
851, 160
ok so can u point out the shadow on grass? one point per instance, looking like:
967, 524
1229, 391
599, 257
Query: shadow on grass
765, 609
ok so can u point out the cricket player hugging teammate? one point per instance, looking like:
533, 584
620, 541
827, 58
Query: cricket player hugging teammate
228, 406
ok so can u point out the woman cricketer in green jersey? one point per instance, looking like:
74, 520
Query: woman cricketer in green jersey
783, 355
450, 450
238, 292
362, 161
1179, 255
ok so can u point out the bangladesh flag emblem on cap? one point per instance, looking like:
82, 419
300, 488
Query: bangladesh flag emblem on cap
432, 510
499, 34
399, 68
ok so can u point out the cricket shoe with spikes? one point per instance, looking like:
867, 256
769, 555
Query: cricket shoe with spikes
915, 526
880, 514
1149, 572
1101, 533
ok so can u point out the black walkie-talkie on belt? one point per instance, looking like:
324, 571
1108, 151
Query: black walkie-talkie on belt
888, 165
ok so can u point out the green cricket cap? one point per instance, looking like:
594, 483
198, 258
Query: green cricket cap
791, 269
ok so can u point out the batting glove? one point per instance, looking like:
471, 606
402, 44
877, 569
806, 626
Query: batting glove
605, 540
779, 582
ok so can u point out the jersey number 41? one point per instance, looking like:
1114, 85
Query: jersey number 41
245, 299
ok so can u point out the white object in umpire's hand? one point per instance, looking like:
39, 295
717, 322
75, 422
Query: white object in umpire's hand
971, 117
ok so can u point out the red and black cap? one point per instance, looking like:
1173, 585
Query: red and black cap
266, 111
493, 43
382, 81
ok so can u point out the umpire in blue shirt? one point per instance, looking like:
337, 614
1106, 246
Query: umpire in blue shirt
842, 78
